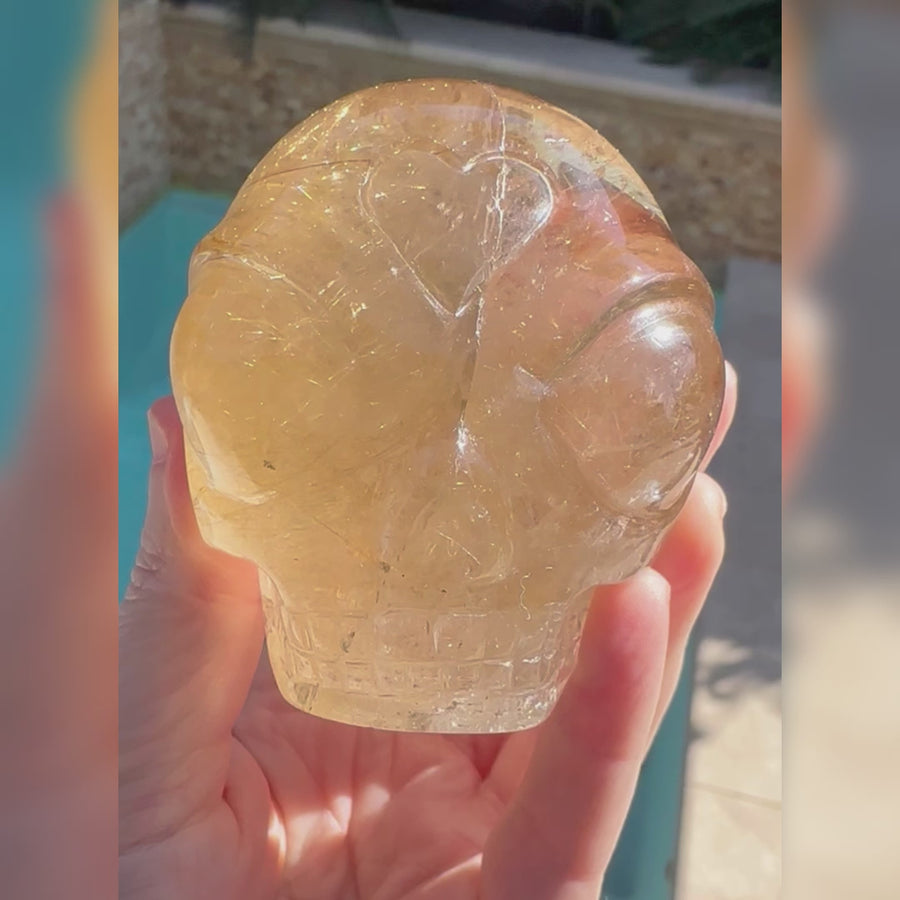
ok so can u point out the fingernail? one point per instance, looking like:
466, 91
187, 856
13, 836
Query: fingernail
721, 500
159, 444
732, 374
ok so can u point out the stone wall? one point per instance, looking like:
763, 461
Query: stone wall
144, 169
714, 162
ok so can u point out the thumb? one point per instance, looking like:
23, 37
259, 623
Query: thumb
190, 635
559, 833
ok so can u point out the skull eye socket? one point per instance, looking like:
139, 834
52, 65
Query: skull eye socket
638, 406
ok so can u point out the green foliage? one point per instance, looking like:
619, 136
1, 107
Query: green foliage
714, 35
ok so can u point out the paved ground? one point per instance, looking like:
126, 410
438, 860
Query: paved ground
731, 827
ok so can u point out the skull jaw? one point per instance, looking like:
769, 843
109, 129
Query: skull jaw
425, 695
495, 664
481, 712
478, 711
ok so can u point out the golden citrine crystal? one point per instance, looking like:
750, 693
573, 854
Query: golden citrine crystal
441, 370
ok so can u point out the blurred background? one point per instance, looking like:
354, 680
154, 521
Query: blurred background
689, 91
58, 450
35, 159
841, 526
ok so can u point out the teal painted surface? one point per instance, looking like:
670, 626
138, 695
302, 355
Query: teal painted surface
20, 263
643, 866
153, 262
39, 47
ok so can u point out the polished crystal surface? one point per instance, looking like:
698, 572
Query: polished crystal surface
441, 370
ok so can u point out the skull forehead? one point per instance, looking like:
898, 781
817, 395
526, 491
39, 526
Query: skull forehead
462, 119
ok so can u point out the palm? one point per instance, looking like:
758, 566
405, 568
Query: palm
371, 813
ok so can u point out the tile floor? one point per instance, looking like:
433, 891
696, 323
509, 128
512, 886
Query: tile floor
731, 821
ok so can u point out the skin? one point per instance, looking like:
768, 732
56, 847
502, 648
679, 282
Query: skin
226, 791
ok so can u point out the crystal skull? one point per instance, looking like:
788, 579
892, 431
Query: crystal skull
441, 370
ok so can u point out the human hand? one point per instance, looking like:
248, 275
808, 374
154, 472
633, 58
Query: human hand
226, 791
